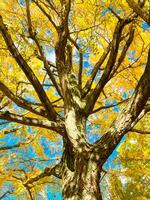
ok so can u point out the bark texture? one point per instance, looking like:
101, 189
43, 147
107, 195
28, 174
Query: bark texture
82, 179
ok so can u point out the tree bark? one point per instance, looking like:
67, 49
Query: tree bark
80, 178
83, 183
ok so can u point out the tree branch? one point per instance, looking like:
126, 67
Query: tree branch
128, 117
5, 104
58, 127
66, 6
139, 11
11, 131
51, 64
110, 106
80, 61
145, 110
140, 131
7, 192
55, 171
97, 66
10, 147
22, 102
52, 6
46, 14
124, 51
42, 56
93, 96
114, 13
29, 192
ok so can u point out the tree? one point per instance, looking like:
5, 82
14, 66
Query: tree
102, 56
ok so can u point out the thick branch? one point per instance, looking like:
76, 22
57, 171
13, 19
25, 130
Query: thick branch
127, 119
69, 57
32, 121
60, 50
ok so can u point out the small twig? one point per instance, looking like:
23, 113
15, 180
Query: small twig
114, 13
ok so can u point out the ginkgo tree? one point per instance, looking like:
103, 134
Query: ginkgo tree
67, 67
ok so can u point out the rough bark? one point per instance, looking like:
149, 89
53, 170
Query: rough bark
82, 180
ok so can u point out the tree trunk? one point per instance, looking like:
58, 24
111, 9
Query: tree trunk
82, 183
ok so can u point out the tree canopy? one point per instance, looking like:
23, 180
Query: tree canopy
63, 64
